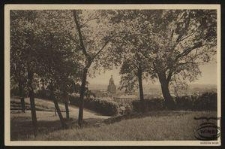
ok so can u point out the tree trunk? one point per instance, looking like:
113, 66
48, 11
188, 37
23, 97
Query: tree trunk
82, 91
21, 97
140, 84
141, 94
165, 91
32, 102
23, 104
66, 100
67, 110
57, 107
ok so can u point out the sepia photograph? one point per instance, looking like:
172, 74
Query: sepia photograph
112, 75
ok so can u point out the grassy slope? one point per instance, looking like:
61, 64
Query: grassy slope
21, 124
159, 126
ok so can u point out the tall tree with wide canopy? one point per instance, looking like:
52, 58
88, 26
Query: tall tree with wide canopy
42, 46
174, 42
95, 34
23, 42
58, 67
17, 65
132, 45
183, 40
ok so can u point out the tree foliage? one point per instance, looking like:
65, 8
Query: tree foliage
173, 43
62, 48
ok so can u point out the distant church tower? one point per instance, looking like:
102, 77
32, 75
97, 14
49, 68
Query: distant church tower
111, 87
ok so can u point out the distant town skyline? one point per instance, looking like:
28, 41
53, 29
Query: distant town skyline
208, 76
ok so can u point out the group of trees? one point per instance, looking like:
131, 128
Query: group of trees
63, 47
168, 45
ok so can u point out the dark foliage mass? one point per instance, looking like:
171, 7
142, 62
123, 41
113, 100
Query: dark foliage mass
206, 101
154, 104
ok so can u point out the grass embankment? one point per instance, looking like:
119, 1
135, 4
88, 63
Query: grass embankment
158, 125
15, 104
164, 125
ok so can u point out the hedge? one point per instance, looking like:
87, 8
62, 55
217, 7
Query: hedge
154, 104
205, 101
105, 107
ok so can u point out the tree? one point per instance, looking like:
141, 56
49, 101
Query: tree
132, 45
43, 48
23, 51
182, 40
56, 54
94, 34
134, 69
132, 72
17, 69
175, 42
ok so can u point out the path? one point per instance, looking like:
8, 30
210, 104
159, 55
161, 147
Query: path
49, 114
21, 124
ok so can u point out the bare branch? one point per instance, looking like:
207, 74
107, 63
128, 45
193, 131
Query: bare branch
80, 34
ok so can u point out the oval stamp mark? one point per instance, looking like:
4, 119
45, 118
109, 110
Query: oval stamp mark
207, 130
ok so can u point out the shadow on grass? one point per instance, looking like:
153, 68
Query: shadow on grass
22, 128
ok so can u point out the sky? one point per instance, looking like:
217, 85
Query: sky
208, 76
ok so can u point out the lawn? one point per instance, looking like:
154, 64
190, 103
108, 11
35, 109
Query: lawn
162, 125
158, 125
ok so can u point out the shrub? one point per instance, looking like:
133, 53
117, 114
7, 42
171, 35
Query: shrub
154, 104
184, 103
105, 107
206, 101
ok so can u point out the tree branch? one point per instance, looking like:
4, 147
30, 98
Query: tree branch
80, 35
169, 75
100, 50
186, 36
107, 41
185, 28
188, 50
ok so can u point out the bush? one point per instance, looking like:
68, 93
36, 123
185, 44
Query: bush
184, 103
102, 106
206, 101
154, 104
